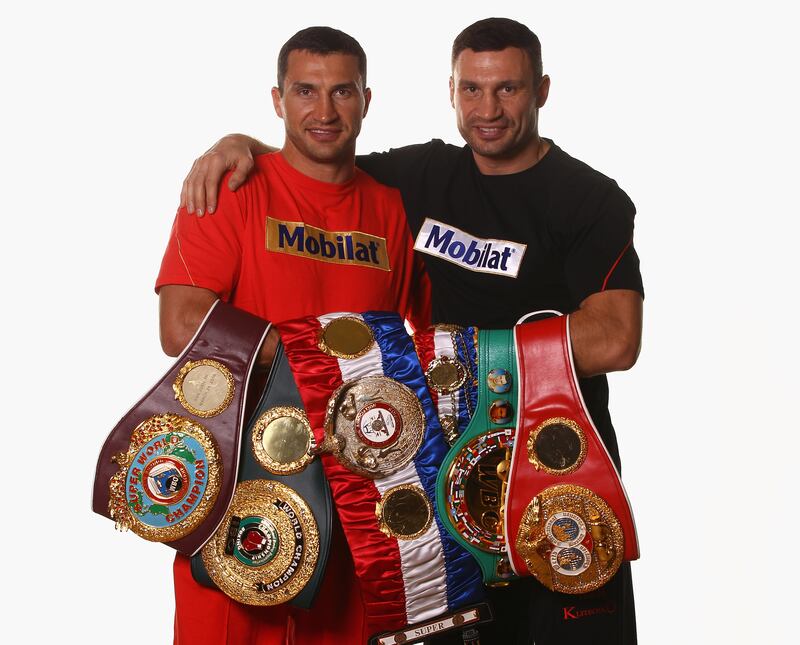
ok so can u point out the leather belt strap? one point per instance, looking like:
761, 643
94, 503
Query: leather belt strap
567, 513
231, 338
469, 489
309, 483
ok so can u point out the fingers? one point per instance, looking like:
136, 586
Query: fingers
240, 173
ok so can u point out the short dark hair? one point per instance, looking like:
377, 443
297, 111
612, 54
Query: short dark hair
494, 35
324, 41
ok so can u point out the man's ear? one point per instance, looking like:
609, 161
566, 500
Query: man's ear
367, 99
276, 102
452, 91
543, 91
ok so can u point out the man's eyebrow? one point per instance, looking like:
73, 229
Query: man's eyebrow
345, 86
297, 85
509, 81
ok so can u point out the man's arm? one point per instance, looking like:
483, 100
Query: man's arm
606, 332
233, 152
181, 309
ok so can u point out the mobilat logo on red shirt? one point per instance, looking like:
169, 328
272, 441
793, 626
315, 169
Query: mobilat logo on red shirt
339, 247
440, 240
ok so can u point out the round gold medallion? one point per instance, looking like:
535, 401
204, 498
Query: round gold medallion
570, 539
445, 374
282, 440
267, 547
346, 337
205, 387
374, 425
404, 512
557, 446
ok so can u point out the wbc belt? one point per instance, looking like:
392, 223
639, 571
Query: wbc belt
167, 470
568, 520
273, 543
471, 486
366, 399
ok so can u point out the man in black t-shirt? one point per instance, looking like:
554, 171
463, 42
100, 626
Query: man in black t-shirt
509, 224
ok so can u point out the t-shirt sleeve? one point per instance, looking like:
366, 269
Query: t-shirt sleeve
205, 251
393, 167
601, 255
419, 313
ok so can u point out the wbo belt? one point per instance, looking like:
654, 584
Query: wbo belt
273, 543
568, 521
471, 486
167, 470
381, 447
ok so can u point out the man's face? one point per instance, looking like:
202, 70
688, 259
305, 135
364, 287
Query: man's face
496, 101
322, 105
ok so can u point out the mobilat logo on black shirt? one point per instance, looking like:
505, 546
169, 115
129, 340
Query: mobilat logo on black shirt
339, 247
440, 240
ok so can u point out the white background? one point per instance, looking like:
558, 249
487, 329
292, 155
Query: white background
691, 106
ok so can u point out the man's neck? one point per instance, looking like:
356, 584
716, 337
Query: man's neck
333, 172
526, 158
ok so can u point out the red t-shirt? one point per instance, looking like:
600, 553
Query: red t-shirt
285, 245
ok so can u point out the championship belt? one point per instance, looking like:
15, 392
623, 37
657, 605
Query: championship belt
448, 355
471, 487
381, 447
568, 520
273, 543
167, 470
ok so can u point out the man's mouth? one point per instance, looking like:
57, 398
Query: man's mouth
490, 131
323, 134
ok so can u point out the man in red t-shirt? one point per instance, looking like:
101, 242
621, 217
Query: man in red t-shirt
307, 234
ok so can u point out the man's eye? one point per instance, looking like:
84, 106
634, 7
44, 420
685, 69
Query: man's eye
509, 89
304, 92
343, 93
470, 89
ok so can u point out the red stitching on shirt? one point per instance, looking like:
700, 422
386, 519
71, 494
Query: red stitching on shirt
614, 266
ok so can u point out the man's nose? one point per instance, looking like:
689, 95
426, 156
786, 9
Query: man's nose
325, 110
489, 107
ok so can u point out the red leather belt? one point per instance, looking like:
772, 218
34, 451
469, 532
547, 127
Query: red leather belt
568, 519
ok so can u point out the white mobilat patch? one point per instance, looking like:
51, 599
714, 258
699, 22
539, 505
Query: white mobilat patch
447, 242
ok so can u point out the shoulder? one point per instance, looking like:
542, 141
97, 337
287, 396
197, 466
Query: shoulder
582, 184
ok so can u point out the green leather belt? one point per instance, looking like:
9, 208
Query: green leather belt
470, 488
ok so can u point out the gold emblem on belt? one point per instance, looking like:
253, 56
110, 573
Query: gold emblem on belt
267, 547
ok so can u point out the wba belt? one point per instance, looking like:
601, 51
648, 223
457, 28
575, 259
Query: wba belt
568, 520
471, 485
163, 471
273, 544
366, 398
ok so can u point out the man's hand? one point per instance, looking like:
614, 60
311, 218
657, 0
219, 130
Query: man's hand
606, 332
201, 186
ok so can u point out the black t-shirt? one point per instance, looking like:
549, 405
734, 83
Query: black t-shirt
499, 246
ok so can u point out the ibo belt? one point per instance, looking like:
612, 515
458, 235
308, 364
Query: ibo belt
568, 521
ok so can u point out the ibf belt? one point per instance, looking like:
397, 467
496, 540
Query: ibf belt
448, 355
273, 543
568, 519
167, 470
366, 398
471, 486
